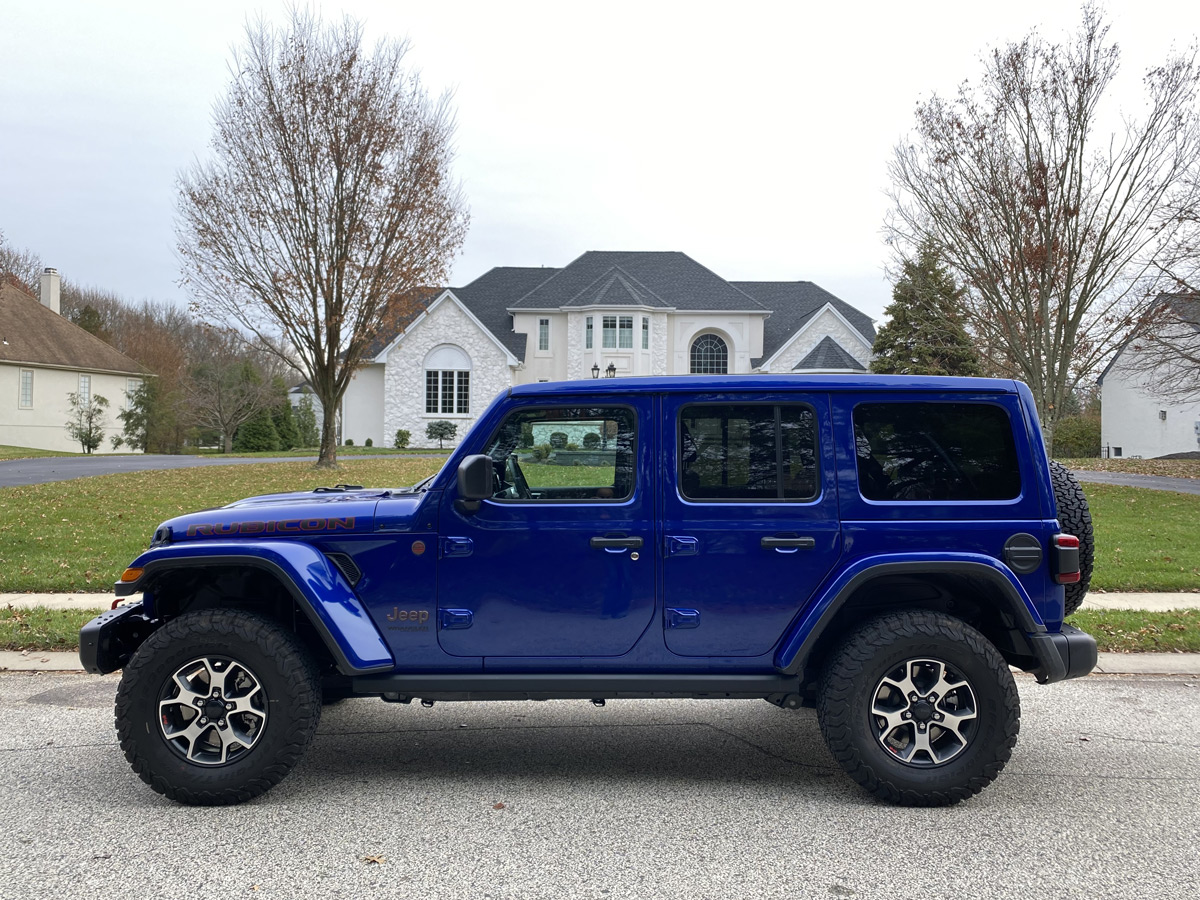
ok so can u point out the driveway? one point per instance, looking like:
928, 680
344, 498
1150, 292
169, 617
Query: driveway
1153, 482
16, 472
640, 799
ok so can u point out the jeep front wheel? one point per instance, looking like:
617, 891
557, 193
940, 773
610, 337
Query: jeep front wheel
919, 708
217, 706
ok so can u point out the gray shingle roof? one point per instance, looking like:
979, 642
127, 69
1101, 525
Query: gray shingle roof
792, 304
34, 334
828, 354
491, 295
663, 279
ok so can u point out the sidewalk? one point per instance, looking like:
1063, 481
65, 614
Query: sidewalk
1109, 663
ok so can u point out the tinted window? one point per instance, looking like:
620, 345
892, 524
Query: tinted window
747, 452
935, 451
565, 453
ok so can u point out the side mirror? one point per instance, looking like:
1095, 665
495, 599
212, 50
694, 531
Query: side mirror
476, 481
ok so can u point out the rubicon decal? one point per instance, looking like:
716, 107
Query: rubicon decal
280, 526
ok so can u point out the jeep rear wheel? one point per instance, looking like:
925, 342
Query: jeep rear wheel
217, 707
919, 708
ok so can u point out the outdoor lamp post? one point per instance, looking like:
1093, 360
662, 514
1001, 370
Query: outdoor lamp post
595, 370
611, 371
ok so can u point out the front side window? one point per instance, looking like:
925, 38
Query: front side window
25, 398
748, 452
543, 334
587, 333
645, 332
85, 390
576, 453
935, 451
710, 356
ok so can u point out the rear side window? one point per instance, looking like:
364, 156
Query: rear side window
935, 451
748, 452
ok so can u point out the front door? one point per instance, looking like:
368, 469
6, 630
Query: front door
560, 561
750, 519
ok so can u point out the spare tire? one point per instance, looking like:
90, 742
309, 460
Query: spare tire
1074, 518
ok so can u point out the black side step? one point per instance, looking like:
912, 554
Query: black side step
574, 686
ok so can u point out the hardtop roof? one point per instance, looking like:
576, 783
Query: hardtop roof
767, 383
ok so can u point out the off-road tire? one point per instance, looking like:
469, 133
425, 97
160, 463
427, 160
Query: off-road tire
288, 677
847, 692
1074, 518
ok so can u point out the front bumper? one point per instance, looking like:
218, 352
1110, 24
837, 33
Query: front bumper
108, 641
1068, 653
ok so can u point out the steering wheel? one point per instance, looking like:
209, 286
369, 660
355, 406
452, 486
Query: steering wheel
520, 485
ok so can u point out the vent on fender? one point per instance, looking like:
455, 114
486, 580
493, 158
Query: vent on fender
346, 565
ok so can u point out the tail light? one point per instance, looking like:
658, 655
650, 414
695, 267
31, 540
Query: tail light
1066, 559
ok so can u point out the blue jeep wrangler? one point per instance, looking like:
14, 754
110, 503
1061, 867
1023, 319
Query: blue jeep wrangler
881, 548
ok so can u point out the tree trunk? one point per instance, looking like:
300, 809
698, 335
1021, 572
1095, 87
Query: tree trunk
227, 442
328, 456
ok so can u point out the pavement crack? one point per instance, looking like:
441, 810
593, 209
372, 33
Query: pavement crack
763, 750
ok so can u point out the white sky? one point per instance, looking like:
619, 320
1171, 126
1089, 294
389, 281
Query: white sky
753, 137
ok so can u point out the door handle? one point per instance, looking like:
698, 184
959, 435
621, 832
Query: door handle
788, 544
616, 542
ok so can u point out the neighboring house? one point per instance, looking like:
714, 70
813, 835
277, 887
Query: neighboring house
43, 359
1136, 421
605, 314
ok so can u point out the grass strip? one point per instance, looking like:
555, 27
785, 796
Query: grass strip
38, 628
1139, 631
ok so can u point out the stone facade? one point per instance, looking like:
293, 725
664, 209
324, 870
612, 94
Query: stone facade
404, 373
825, 323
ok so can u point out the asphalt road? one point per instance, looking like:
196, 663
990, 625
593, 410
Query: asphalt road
641, 799
17, 472
1153, 482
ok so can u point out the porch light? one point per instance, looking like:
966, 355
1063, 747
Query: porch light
595, 370
611, 371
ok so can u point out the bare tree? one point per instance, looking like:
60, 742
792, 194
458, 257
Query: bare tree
327, 201
1052, 227
224, 387
23, 267
1164, 355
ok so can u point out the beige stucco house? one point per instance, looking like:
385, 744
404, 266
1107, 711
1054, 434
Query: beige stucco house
606, 314
43, 359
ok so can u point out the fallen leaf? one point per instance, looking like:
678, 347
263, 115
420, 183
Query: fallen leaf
377, 860
498, 806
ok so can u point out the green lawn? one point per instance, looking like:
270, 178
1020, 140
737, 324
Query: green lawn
1145, 540
7, 452
315, 451
79, 535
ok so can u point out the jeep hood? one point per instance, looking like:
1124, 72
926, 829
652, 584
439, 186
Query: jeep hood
299, 514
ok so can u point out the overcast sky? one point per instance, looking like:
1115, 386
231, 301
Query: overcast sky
753, 137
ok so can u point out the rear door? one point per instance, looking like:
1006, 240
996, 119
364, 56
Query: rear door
750, 524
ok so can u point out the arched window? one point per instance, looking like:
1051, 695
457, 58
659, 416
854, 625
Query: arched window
447, 381
710, 356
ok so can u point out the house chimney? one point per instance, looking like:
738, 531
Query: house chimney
50, 296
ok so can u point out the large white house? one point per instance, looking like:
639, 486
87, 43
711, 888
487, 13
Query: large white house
43, 359
1136, 420
605, 314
